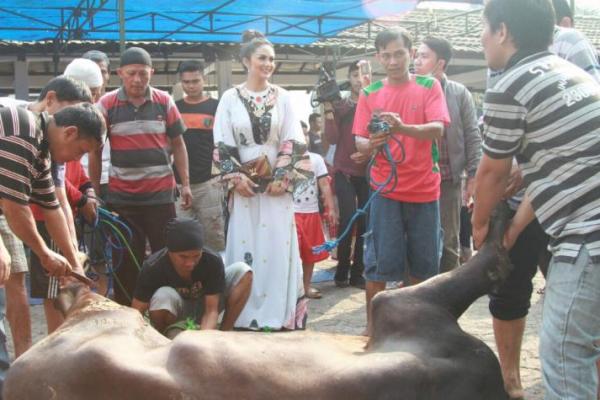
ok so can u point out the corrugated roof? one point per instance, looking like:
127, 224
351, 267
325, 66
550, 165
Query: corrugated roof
462, 28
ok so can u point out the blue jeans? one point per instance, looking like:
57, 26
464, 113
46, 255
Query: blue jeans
570, 331
4, 359
402, 234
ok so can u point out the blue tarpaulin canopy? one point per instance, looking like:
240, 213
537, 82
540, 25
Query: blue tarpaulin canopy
284, 21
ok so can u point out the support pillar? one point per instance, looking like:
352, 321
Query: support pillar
21, 84
224, 75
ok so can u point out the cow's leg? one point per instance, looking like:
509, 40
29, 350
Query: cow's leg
454, 291
458, 289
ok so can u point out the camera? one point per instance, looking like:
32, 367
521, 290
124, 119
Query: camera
377, 126
327, 89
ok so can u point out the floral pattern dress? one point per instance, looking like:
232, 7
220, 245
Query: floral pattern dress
261, 232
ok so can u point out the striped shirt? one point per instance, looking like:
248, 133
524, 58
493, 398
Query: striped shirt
25, 174
545, 111
573, 46
140, 153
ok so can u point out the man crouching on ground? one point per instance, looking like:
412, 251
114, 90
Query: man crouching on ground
174, 282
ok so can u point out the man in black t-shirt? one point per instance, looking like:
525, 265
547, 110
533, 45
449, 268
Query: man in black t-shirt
184, 280
198, 111
315, 134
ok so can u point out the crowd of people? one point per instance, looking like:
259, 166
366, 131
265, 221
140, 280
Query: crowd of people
223, 202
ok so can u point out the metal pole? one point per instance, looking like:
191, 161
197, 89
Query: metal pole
122, 25
573, 7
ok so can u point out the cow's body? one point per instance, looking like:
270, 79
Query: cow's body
417, 351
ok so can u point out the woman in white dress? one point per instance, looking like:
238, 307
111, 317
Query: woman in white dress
255, 122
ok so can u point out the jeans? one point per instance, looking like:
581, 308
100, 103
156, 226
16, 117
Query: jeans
4, 359
402, 236
570, 330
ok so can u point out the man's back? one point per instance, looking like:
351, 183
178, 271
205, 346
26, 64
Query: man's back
552, 127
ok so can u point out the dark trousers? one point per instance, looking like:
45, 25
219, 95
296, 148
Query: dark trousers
512, 300
351, 192
146, 223
465, 227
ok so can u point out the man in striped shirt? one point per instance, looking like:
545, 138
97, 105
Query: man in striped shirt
545, 112
145, 129
571, 44
27, 142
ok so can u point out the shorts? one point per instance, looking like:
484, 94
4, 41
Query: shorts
14, 246
402, 236
167, 298
207, 207
38, 276
513, 298
310, 234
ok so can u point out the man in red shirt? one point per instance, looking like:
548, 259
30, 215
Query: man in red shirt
404, 219
144, 130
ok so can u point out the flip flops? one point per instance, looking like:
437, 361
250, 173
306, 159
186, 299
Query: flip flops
314, 294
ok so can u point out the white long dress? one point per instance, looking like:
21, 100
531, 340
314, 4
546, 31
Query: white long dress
261, 228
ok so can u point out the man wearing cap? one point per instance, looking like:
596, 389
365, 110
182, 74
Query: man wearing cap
184, 280
145, 129
89, 73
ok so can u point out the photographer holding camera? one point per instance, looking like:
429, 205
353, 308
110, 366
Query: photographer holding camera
351, 188
404, 217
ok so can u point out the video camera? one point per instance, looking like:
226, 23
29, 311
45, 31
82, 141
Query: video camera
327, 89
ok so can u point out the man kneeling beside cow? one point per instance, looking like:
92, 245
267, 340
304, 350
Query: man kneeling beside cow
416, 351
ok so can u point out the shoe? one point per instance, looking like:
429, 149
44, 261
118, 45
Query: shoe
341, 283
358, 282
314, 294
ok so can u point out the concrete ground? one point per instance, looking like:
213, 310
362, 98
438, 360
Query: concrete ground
343, 311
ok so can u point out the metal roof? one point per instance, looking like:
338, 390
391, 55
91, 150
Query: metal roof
284, 22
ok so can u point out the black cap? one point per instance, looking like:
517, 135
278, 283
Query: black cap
183, 234
136, 55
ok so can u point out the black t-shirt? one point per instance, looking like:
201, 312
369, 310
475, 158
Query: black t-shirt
198, 137
315, 144
208, 277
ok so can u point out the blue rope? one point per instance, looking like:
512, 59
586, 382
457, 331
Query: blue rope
329, 245
116, 235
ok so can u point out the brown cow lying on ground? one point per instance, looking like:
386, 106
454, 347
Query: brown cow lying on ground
417, 351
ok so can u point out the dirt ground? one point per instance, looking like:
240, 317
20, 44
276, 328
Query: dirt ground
343, 311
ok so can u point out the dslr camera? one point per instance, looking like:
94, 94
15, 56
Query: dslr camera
378, 126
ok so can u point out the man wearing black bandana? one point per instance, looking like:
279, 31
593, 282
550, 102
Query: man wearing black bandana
184, 281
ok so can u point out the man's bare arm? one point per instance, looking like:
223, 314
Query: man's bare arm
140, 305
21, 222
211, 312
56, 224
95, 168
490, 183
